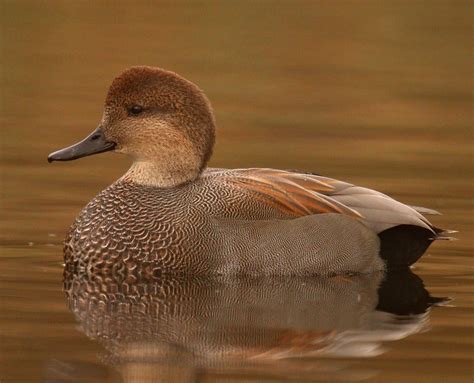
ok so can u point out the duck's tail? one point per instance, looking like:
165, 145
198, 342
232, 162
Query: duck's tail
403, 245
440, 234
443, 234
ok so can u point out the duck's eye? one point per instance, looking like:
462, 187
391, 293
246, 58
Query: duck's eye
135, 110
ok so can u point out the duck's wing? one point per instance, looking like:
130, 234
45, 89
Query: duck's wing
294, 194
379, 211
299, 194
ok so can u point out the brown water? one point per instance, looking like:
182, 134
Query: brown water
376, 93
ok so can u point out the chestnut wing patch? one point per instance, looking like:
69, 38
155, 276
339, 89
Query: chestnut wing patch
292, 193
299, 194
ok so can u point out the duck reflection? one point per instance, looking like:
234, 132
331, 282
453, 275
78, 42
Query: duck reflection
171, 329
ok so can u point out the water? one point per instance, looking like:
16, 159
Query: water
376, 93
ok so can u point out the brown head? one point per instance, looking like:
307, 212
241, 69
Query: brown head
164, 122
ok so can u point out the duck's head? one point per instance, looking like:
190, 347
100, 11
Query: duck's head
162, 121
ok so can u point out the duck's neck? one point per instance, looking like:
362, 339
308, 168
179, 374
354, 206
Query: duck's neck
162, 175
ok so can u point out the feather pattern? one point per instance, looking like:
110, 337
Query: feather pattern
293, 193
300, 194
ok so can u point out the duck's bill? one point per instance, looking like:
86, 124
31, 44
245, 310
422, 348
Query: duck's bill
94, 143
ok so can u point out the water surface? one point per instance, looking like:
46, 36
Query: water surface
375, 93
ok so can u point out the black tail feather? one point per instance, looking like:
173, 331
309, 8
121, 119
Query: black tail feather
403, 245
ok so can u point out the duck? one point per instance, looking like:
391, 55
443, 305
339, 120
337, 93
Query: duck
172, 214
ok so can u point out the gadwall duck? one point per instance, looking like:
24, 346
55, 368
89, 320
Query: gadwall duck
171, 214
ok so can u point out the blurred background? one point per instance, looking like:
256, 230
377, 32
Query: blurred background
372, 92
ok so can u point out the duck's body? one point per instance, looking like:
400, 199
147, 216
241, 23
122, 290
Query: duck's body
244, 221
220, 224
171, 214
